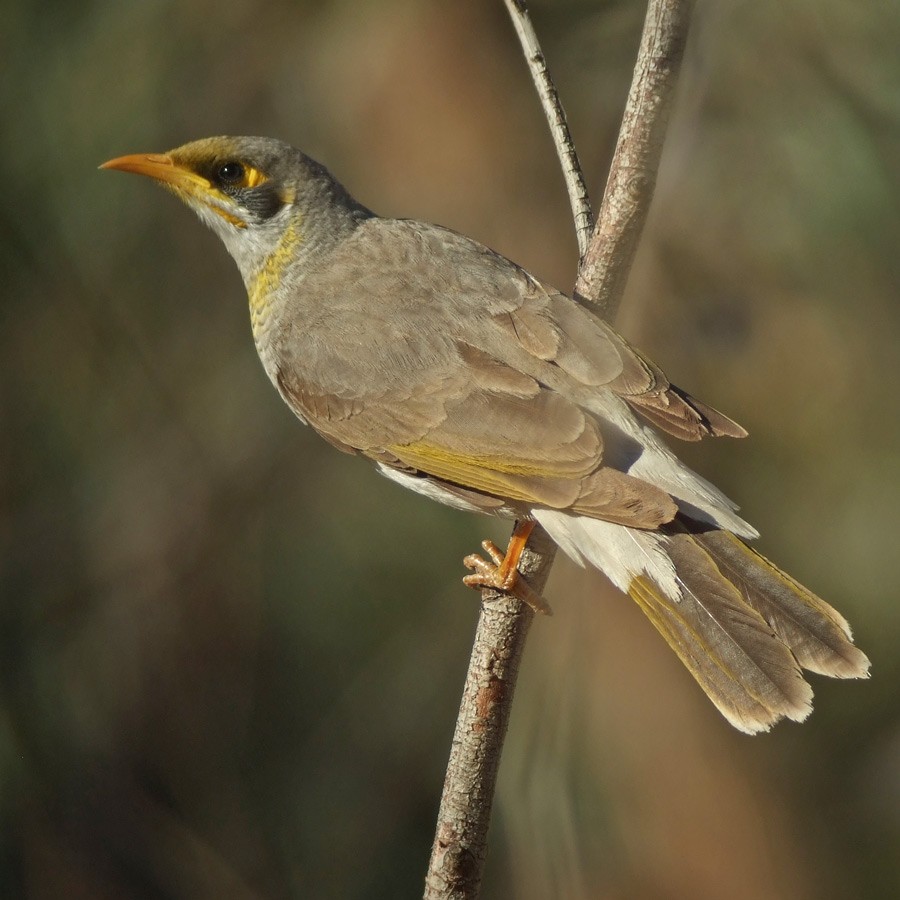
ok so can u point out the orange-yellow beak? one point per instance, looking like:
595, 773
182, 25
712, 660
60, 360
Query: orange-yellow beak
161, 167
184, 182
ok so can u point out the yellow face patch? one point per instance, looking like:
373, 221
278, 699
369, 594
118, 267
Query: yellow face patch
250, 177
253, 177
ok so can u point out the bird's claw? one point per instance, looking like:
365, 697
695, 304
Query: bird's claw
500, 576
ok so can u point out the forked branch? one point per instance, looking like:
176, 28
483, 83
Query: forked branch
458, 853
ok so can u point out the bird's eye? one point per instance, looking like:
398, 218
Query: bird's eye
230, 173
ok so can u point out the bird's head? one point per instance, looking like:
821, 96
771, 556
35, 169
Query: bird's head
250, 190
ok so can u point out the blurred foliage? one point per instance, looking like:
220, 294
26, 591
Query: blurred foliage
230, 658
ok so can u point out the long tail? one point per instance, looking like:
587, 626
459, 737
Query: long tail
743, 628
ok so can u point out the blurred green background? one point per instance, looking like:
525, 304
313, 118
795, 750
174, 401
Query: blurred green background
230, 658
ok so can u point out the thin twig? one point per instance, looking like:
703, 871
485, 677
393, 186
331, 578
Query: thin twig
556, 119
460, 844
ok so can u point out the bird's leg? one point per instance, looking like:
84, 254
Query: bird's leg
501, 573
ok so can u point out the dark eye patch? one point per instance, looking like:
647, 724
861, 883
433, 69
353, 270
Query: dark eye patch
249, 187
263, 201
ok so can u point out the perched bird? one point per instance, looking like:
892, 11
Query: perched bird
466, 379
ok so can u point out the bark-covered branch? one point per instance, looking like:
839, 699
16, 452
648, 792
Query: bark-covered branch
460, 844
632, 174
460, 841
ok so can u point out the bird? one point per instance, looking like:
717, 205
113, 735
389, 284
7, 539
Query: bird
464, 378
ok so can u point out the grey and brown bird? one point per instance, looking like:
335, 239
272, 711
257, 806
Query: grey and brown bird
462, 377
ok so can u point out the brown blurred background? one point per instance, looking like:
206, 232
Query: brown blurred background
230, 657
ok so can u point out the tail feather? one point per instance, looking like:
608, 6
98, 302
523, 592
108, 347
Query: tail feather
817, 634
749, 674
742, 627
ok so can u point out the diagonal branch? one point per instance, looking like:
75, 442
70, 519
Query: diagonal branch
460, 845
632, 174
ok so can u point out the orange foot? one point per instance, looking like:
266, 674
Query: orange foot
501, 573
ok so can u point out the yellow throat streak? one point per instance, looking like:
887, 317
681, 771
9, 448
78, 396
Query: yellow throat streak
267, 279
